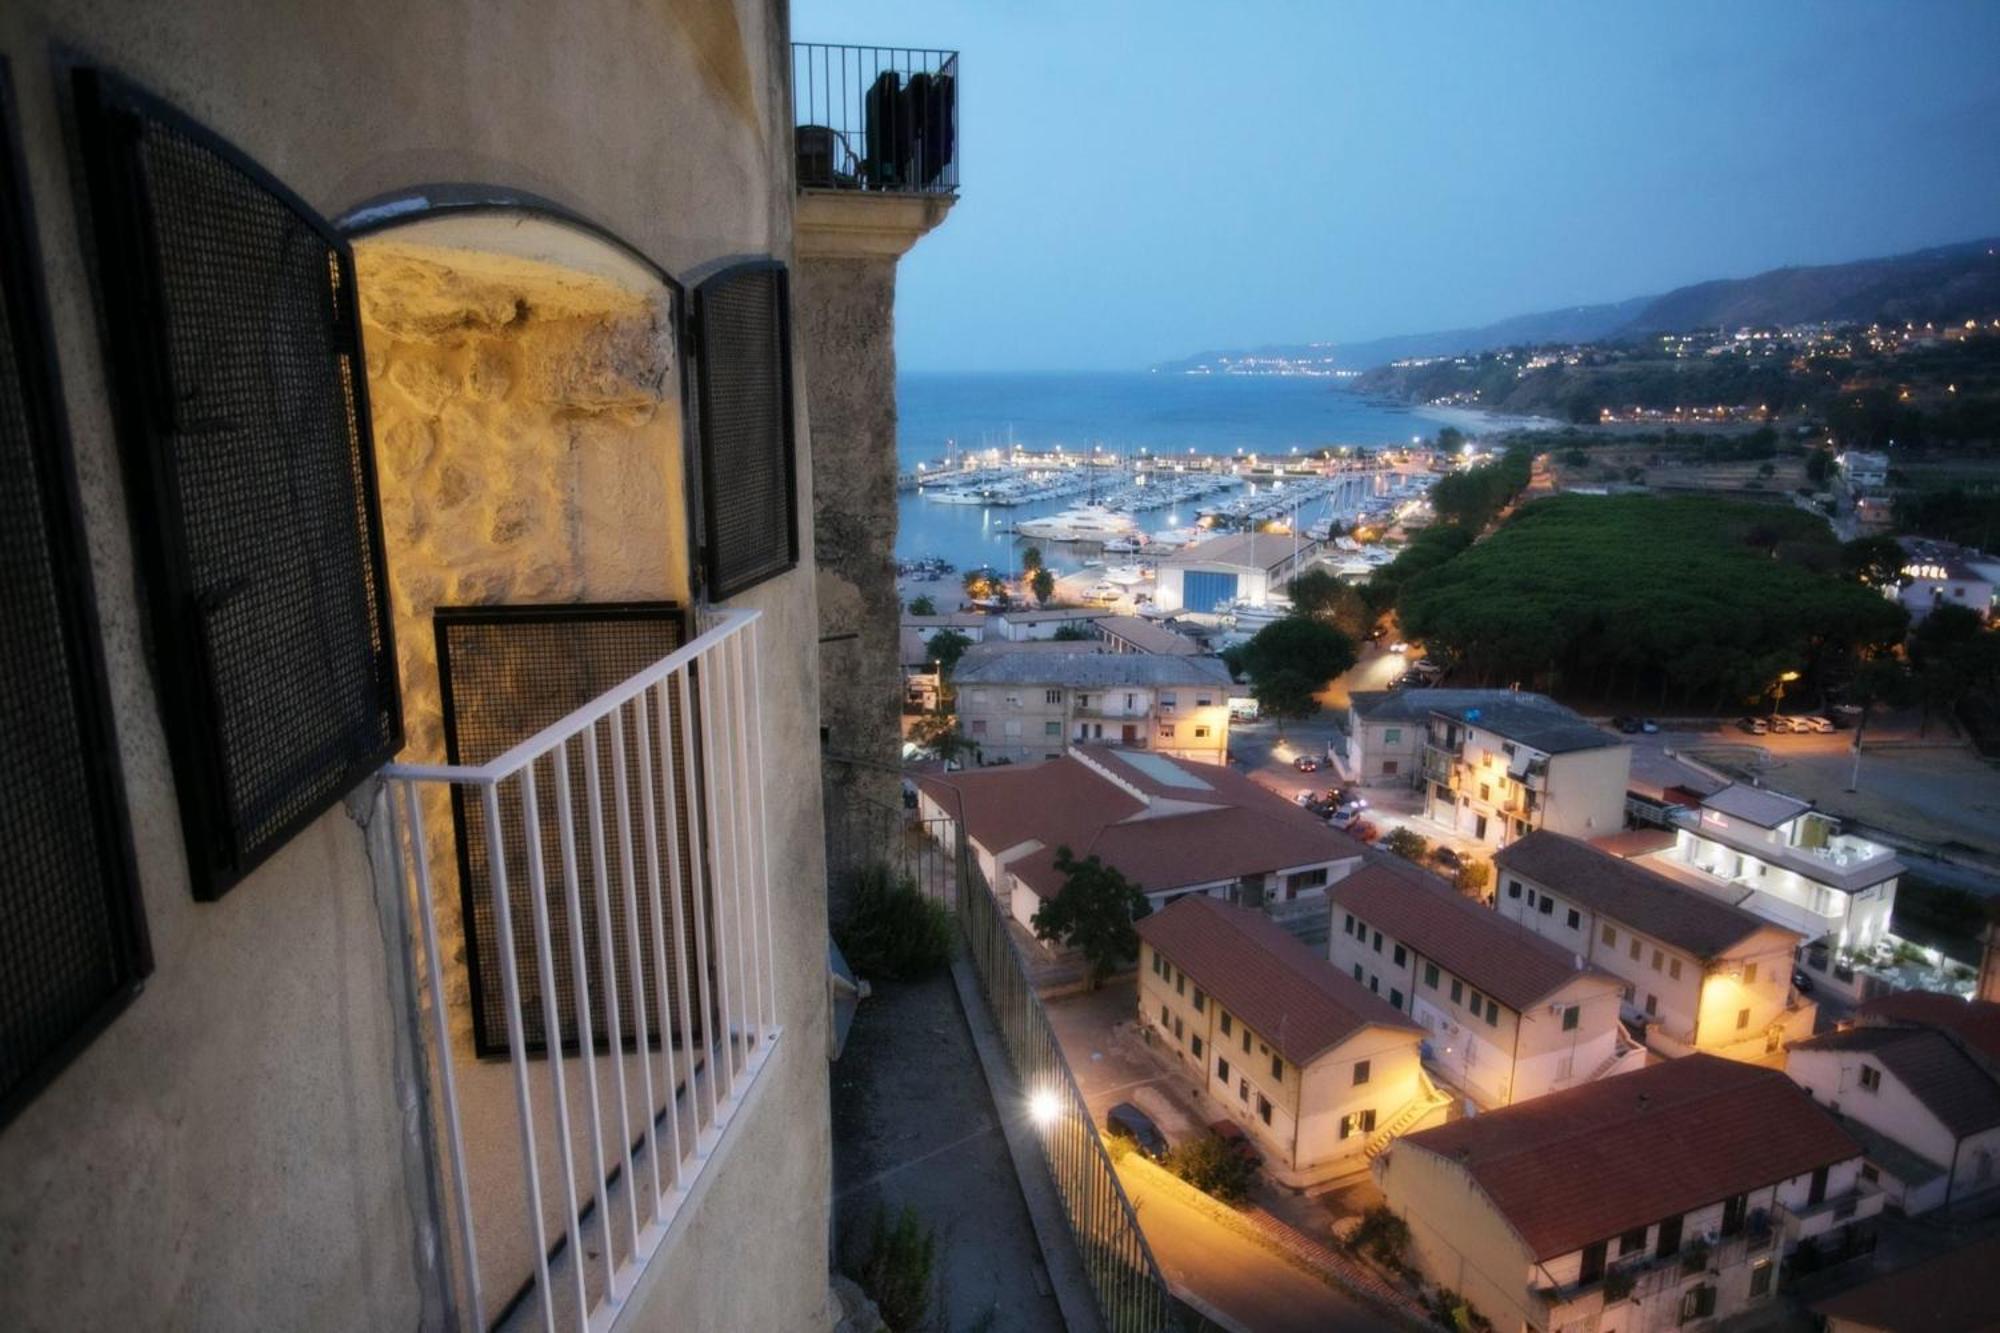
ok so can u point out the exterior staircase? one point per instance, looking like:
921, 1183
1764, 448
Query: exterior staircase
1624, 1050
1428, 1099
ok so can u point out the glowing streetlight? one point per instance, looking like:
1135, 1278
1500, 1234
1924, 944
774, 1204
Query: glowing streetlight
1044, 1107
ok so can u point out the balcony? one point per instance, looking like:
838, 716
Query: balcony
875, 119
1810, 1221
1439, 764
617, 859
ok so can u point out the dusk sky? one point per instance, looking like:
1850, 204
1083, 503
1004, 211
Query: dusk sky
1144, 180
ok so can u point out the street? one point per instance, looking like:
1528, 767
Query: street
1237, 1276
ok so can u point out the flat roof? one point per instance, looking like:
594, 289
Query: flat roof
1761, 806
1149, 637
1252, 550
1535, 720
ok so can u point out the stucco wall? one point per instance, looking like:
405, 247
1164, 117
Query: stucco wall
233, 1152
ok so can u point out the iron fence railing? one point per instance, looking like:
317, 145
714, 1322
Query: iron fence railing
881, 118
1132, 1293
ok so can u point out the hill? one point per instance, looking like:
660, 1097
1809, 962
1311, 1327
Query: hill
1943, 283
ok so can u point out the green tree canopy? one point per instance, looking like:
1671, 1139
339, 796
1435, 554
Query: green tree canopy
1031, 559
945, 648
1875, 561
922, 606
1093, 913
1043, 584
1290, 661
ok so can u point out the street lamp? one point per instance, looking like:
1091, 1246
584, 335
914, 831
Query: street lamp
1044, 1107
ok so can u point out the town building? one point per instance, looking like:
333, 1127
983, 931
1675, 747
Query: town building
1498, 768
1320, 1073
1033, 705
1776, 856
1673, 1197
1864, 471
1236, 569
1136, 634
1171, 827
1948, 1293
1699, 973
1507, 1014
1917, 1076
1026, 624
1388, 729
366, 556
1942, 574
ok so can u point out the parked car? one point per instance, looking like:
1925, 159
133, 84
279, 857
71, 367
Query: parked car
1428, 667
1754, 725
1448, 859
1779, 724
1345, 795
1628, 725
1344, 818
1236, 1140
1844, 716
1305, 763
1399, 647
1819, 723
1128, 1122
1649, 726
1801, 983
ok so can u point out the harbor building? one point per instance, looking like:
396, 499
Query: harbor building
1238, 569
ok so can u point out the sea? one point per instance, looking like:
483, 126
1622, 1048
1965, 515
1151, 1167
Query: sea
1125, 413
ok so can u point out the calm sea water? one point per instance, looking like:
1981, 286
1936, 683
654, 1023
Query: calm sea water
1125, 413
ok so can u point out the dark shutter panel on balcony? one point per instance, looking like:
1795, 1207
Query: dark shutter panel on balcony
72, 937
506, 673
243, 414
749, 473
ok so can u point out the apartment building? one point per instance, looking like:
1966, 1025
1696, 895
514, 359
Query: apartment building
1670, 1198
1320, 1073
1776, 856
1950, 1293
1237, 568
1507, 1014
1388, 729
1172, 827
364, 547
1916, 1077
1496, 769
1701, 974
1034, 704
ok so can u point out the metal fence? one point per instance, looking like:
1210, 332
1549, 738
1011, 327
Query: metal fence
875, 118
1132, 1293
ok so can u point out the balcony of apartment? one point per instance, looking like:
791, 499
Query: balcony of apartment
1814, 1221
1439, 763
613, 1006
875, 145
1645, 1278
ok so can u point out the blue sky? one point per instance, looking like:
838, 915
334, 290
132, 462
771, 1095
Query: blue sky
1143, 180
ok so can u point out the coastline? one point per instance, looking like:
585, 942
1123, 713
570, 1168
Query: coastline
1471, 420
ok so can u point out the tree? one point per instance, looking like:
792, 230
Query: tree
1072, 634
1875, 561
1093, 913
939, 736
1472, 878
1819, 467
1290, 662
1043, 583
1406, 843
1450, 440
981, 583
945, 648
1031, 559
1320, 595
922, 606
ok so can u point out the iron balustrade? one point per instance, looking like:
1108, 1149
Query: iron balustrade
875, 118
680, 739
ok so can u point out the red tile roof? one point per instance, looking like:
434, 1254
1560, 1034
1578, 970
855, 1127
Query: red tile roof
1976, 1023
1951, 1084
1507, 961
1166, 836
1953, 1292
1631, 894
1592, 1162
1286, 993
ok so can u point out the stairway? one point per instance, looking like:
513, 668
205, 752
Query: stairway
1428, 1099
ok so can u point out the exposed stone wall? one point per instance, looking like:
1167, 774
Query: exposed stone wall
844, 311
528, 445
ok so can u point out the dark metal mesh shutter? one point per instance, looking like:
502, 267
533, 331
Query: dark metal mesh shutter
256, 446
508, 672
71, 944
749, 473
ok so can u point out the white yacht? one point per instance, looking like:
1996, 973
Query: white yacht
1086, 523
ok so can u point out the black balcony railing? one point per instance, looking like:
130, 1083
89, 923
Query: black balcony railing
881, 118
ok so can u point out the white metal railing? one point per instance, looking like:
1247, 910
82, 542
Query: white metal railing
623, 1152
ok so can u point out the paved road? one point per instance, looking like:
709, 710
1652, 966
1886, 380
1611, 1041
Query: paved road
1242, 1279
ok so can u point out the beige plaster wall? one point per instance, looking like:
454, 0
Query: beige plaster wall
238, 1150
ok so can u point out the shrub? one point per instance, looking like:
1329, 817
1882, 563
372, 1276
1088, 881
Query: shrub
1473, 877
893, 932
1382, 1235
1213, 1166
896, 1271
1407, 843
